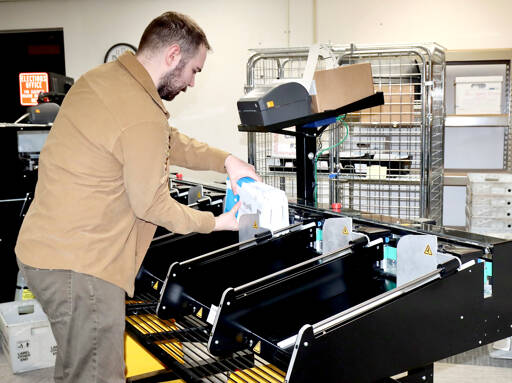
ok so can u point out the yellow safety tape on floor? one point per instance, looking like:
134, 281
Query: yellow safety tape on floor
260, 374
151, 324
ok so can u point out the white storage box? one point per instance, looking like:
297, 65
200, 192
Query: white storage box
485, 225
490, 184
27, 338
478, 95
490, 201
488, 211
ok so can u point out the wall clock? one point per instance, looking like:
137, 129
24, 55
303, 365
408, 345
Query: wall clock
117, 50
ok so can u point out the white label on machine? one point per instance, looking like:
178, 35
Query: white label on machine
249, 227
212, 314
416, 255
337, 233
195, 193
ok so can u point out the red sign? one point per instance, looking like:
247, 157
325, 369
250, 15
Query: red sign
31, 84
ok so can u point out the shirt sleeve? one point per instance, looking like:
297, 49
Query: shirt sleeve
192, 154
143, 152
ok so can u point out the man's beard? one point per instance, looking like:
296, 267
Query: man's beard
170, 86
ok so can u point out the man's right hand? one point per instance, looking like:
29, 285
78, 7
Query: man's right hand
227, 221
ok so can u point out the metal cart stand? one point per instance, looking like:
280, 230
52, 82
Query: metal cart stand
406, 135
308, 129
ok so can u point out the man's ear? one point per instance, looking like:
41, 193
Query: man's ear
172, 56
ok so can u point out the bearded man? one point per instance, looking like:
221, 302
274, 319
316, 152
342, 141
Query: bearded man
103, 189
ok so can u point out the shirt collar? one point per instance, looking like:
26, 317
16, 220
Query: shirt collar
139, 73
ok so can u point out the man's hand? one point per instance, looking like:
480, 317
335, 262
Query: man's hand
227, 221
236, 169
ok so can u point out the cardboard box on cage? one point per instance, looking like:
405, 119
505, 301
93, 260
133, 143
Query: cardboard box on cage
398, 105
27, 338
341, 86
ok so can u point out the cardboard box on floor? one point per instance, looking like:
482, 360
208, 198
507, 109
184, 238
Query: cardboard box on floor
341, 86
398, 105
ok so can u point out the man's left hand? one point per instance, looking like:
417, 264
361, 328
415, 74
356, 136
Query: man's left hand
236, 169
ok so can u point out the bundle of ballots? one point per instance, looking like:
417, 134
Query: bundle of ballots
269, 203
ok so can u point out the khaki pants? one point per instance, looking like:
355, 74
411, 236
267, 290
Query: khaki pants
87, 317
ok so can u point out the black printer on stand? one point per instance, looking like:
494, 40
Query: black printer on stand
274, 103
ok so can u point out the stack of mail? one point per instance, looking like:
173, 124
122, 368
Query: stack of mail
269, 203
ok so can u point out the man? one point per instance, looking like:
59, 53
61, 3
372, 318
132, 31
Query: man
103, 188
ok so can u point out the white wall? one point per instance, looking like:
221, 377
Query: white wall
455, 24
208, 112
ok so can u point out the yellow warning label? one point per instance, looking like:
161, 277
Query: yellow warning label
198, 194
428, 250
257, 348
26, 295
270, 104
200, 313
155, 286
255, 225
345, 230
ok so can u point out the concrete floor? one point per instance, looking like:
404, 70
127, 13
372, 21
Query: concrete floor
472, 367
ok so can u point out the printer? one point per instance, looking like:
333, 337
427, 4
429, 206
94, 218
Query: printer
274, 103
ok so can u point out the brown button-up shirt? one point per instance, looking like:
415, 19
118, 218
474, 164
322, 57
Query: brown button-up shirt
103, 178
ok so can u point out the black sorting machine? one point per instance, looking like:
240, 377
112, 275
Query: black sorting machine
275, 308
20, 144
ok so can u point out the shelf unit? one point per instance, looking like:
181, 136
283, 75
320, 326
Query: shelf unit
474, 143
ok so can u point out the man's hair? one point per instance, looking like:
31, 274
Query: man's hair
173, 28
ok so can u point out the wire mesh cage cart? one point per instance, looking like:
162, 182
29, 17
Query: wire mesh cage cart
390, 160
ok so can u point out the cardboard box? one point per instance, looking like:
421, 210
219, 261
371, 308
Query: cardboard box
398, 105
27, 338
341, 86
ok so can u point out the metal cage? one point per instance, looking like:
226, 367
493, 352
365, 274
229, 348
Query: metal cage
391, 162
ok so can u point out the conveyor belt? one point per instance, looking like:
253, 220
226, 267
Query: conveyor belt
311, 313
181, 347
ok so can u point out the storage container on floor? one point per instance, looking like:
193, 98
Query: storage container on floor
27, 338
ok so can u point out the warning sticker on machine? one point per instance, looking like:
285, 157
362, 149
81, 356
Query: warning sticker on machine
428, 250
31, 84
345, 230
